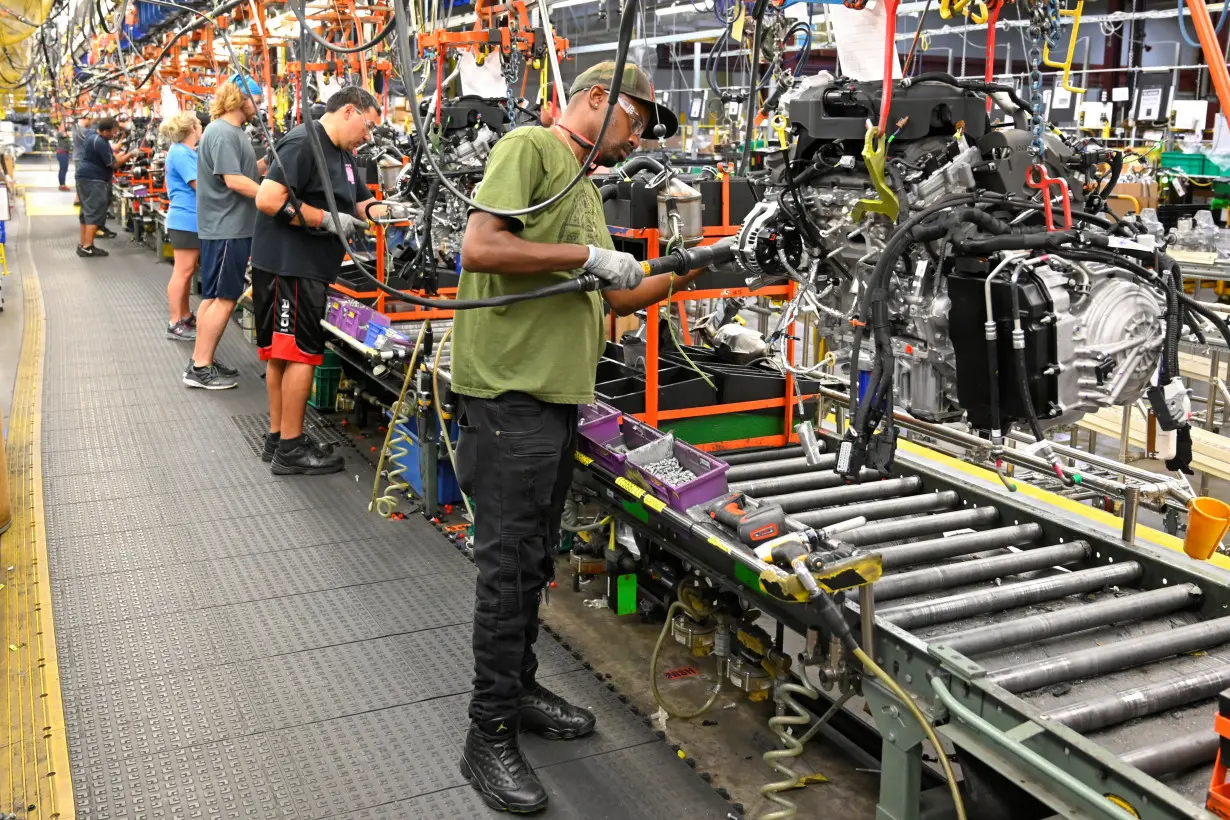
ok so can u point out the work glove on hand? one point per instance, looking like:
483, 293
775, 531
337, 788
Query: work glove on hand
348, 225
619, 270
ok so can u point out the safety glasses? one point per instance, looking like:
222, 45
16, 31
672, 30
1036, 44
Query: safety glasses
634, 116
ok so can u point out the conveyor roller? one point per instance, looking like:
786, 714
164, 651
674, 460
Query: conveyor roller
1177, 754
1111, 657
984, 569
818, 499
886, 531
921, 552
1008, 596
781, 467
1138, 607
1144, 700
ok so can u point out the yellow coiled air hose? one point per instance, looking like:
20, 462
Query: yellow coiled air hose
397, 440
448, 440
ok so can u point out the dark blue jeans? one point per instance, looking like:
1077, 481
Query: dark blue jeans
62, 158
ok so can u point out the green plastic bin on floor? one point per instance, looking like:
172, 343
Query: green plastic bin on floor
325, 382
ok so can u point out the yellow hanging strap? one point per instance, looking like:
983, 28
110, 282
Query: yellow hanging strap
949, 7
544, 84
778, 124
1075, 14
875, 155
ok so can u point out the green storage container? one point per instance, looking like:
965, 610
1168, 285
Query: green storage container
325, 382
1193, 164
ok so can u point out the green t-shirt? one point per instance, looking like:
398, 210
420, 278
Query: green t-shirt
548, 348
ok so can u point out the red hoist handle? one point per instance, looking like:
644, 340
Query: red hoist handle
1037, 178
992, 21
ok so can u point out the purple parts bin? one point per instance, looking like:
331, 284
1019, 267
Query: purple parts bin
708, 481
333, 309
599, 423
611, 454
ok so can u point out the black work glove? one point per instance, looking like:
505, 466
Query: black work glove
1182, 461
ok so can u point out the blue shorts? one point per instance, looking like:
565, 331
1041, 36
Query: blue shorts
224, 262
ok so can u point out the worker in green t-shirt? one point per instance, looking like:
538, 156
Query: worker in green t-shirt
521, 371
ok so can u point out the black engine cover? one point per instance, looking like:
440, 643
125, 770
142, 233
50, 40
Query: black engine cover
1007, 152
840, 112
967, 291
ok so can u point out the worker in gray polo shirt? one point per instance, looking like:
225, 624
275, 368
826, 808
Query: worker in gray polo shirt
228, 176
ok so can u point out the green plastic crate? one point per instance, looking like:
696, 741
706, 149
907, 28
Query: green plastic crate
1194, 164
325, 382
331, 358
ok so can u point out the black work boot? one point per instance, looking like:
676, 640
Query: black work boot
271, 446
545, 713
302, 456
493, 763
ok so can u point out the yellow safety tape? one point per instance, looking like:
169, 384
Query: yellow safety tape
630, 488
653, 503
34, 770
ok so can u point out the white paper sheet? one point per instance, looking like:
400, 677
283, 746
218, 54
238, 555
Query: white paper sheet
860, 41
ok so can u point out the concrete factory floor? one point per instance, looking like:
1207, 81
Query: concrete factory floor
728, 741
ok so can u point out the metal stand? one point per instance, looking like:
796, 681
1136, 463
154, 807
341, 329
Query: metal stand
901, 762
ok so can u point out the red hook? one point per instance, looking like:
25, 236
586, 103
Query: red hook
1042, 182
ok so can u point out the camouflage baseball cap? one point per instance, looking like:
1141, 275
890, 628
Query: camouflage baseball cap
637, 85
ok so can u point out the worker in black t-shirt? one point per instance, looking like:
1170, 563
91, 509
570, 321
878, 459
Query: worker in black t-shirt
296, 254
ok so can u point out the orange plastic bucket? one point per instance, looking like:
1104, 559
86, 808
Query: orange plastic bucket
1207, 522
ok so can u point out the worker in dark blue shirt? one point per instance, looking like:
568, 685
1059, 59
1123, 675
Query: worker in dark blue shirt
94, 171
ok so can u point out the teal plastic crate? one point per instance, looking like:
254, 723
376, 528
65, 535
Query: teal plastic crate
1194, 164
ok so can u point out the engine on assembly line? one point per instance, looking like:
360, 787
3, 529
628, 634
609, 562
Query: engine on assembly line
468, 128
842, 196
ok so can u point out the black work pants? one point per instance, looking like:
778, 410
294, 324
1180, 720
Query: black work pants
515, 460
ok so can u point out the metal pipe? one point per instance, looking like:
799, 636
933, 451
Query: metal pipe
1009, 596
921, 552
1131, 506
983, 569
923, 525
785, 466
757, 456
1019, 457
1113, 657
881, 508
844, 495
1089, 802
1091, 715
1138, 607
770, 485
1175, 755
867, 619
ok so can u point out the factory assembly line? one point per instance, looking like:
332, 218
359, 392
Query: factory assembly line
836, 463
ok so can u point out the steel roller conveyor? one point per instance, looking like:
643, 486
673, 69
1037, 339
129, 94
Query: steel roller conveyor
1020, 600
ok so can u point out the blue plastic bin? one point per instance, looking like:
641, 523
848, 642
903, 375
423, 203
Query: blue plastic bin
447, 489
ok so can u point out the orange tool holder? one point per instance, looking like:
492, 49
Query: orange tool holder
653, 414
1218, 801
498, 26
